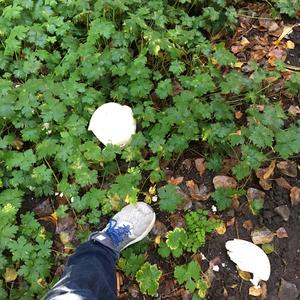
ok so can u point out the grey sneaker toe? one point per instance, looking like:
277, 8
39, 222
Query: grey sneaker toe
128, 226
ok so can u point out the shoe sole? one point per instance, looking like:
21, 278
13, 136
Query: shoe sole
146, 232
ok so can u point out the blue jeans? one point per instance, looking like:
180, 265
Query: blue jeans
90, 274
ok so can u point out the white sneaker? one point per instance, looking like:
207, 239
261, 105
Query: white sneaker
128, 226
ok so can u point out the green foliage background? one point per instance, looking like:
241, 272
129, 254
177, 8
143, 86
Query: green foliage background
60, 60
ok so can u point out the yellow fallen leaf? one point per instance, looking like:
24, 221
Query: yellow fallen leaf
10, 274
286, 30
290, 45
244, 42
292, 68
120, 281
221, 229
214, 61
245, 275
238, 64
42, 282
254, 291
54, 216
157, 239
152, 190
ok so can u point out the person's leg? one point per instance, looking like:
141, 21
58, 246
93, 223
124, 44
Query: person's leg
90, 274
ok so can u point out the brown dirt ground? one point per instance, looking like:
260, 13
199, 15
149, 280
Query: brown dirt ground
285, 260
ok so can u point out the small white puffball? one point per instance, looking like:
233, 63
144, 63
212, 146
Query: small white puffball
249, 258
113, 123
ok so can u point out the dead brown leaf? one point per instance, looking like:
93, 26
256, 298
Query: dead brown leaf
201, 194
230, 222
222, 181
259, 107
283, 183
187, 164
159, 228
244, 42
61, 199
271, 79
167, 287
186, 204
238, 115
253, 193
66, 229
199, 257
258, 54
294, 110
287, 75
276, 33
123, 296
262, 236
267, 25
176, 220
66, 223
17, 143
59, 271
235, 202
175, 181
236, 49
273, 27
275, 54
184, 295
133, 290
177, 88
295, 196
200, 165
43, 209
264, 183
227, 165
263, 286
281, 233
270, 170
288, 168
209, 273
283, 211
248, 225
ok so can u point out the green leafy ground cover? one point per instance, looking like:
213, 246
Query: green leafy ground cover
60, 60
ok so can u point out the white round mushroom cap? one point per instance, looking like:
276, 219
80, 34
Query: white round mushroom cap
249, 258
113, 123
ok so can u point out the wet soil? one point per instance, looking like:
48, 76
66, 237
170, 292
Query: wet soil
285, 260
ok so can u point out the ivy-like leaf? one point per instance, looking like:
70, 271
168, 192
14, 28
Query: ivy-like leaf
148, 277
169, 198
261, 136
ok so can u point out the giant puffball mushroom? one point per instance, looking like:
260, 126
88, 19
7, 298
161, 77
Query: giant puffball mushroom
113, 123
249, 258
